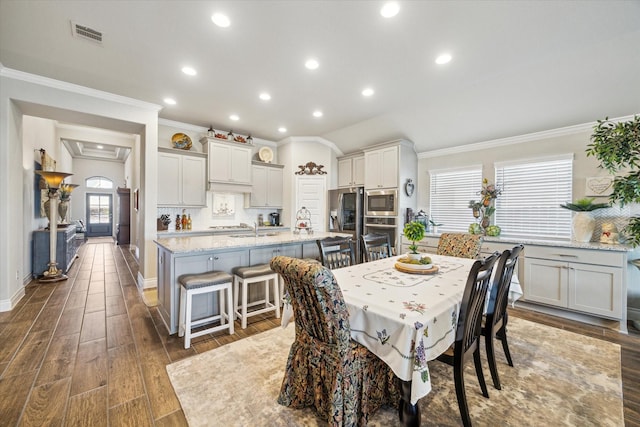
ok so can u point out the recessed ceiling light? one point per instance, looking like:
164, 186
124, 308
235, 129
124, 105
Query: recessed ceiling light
234, 117
221, 20
282, 129
311, 64
189, 71
100, 147
169, 101
317, 113
443, 59
265, 96
390, 9
367, 92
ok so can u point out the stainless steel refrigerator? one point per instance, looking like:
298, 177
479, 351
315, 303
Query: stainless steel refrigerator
346, 214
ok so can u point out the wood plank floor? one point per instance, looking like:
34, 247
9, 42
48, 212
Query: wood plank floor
88, 351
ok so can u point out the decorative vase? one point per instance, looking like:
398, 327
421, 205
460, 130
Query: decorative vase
63, 206
582, 226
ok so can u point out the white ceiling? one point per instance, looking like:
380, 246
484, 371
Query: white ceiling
518, 67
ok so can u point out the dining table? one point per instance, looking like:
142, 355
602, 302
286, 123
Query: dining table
406, 318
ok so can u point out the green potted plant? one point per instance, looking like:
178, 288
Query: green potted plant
583, 223
414, 231
617, 147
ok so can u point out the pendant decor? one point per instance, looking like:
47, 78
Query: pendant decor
310, 169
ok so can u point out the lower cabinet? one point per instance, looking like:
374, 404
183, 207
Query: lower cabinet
589, 281
66, 245
428, 245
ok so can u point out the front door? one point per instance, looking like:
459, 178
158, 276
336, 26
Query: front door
99, 214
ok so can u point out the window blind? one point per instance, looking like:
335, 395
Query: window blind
532, 193
450, 193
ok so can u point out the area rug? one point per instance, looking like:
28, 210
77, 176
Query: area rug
560, 379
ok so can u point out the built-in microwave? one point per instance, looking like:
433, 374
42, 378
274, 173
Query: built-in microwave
381, 202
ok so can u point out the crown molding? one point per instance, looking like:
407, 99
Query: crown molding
316, 139
73, 88
520, 139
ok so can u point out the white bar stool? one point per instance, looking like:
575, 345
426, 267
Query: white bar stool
195, 284
255, 274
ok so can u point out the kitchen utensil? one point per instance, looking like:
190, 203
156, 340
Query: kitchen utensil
274, 217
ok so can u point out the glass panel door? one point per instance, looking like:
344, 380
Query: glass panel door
99, 214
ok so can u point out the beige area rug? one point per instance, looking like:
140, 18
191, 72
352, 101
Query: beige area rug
559, 379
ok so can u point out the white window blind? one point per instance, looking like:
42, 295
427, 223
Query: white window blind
532, 193
450, 193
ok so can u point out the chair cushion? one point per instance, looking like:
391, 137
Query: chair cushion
253, 271
201, 280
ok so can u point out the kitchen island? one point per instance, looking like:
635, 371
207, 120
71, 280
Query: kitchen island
198, 254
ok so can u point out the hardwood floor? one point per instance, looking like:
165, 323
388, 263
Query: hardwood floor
88, 351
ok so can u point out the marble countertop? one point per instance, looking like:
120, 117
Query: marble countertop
556, 243
220, 230
217, 242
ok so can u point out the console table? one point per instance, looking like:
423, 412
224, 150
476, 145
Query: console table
67, 247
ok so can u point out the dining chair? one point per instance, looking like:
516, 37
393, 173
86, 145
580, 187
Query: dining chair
375, 246
496, 317
341, 379
336, 252
467, 332
461, 245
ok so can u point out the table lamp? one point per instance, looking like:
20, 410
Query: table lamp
53, 180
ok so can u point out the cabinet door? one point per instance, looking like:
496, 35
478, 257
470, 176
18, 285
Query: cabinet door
357, 171
311, 251
546, 281
596, 289
169, 179
345, 178
260, 186
240, 165
275, 182
389, 167
372, 169
193, 180
219, 162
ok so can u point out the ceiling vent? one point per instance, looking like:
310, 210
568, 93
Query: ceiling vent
86, 33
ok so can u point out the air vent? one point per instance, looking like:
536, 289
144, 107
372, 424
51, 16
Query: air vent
86, 33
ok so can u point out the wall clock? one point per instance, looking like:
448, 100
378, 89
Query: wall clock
409, 187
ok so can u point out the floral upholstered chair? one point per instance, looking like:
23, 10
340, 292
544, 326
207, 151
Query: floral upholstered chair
460, 245
342, 380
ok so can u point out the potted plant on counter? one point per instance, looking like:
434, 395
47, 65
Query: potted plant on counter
617, 147
583, 223
414, 231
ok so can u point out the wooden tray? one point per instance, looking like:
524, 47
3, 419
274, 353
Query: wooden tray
407, 268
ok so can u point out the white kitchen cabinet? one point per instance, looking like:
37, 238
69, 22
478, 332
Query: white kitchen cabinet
268, 183
181, 178
589, 281
381, 168
351, 171
228, 162
428, 245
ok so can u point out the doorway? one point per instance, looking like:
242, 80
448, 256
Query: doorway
99, 214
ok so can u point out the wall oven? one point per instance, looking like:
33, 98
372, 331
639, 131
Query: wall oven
383, 225
381, 202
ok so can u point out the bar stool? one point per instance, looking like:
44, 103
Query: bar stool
203, 283
250, 275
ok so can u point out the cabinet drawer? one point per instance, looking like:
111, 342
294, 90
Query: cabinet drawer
585, 256
488, 248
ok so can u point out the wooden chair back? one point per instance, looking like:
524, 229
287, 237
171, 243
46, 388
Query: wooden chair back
336, 252
375, 246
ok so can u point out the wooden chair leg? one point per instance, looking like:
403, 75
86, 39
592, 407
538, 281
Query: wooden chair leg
502, 336
458, 376
478, 362
491, 358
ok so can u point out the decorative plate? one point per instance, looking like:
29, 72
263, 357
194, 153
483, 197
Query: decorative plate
182, 141
265, 154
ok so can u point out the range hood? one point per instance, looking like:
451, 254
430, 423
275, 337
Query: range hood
222, 187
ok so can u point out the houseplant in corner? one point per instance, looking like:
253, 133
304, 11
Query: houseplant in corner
414, 231
583, 223
617, 147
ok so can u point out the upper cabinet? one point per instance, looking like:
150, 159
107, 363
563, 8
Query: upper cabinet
182, 178
229, 163
381, 168
268, 182
351, 171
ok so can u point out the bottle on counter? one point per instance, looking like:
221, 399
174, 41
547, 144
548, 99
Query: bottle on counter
184, 221
189, 222
178, 223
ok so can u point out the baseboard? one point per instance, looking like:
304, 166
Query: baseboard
143, 283
579, 317
9, 304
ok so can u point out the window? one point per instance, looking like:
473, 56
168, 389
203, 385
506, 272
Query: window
99, 182
532, 192
450, 193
